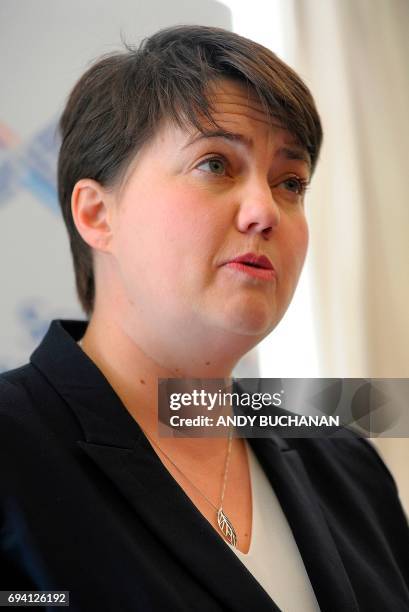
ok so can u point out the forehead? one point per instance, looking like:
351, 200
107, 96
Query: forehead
239, 116
232, 97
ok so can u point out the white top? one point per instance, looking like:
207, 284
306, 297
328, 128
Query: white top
273, 557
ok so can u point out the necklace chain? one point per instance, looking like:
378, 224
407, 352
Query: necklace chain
223, 521
226, 470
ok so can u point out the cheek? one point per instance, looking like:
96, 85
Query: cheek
163, 235
295, 243
302, 240
295, 247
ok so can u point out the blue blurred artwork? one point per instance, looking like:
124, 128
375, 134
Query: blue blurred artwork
30, 166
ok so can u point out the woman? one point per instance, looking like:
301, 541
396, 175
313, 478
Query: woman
182, 175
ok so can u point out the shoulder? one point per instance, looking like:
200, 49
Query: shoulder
355, 488
347, 457
19, 417
21, 432
15, 399
38, 438
31, 411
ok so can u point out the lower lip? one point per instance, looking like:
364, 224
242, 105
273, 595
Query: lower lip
262, 273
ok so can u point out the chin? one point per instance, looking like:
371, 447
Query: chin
255, 322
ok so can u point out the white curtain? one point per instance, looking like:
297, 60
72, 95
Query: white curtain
354, 55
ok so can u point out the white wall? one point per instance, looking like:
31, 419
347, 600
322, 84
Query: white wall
45, 46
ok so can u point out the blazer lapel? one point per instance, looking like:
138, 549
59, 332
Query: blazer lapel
115, 442
165, 508
284, 468
117, 445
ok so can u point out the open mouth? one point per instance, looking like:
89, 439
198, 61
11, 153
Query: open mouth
253, 265
253, 260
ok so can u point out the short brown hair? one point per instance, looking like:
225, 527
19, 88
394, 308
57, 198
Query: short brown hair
117, 105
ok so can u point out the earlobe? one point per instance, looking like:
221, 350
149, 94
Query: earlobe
90, 212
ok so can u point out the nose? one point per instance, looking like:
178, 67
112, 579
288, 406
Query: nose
258, 212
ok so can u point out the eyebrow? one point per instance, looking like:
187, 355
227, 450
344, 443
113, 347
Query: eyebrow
288, 152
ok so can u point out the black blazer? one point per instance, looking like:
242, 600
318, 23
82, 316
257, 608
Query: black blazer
87, 506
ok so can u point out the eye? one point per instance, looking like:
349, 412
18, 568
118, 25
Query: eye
213, 165
295, 184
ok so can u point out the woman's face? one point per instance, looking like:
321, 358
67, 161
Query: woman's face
191, 204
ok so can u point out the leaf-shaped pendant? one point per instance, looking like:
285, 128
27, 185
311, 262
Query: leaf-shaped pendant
226, 527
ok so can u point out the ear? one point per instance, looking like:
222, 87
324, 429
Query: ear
91, 213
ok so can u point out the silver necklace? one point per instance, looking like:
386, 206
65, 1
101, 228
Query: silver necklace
223, 522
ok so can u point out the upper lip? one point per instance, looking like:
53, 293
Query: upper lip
260, 261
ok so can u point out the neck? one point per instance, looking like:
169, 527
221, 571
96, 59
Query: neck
133, 373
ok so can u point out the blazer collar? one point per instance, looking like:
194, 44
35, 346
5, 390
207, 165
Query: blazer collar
115, 442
